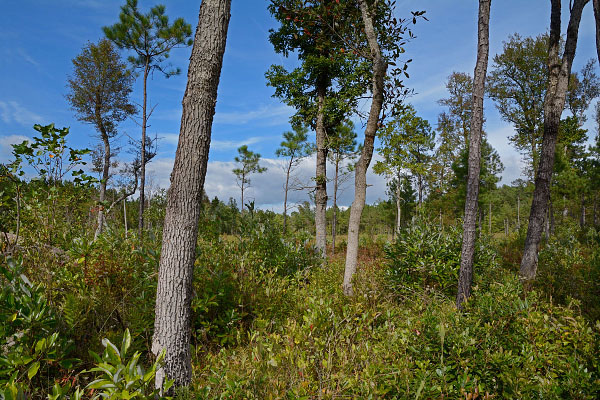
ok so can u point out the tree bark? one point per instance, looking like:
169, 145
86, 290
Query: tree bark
321, 171
582, 215
125, 215
398, 207
465, 278
335, 189
558, 79
102, 194
172, 323
143, 156
596, 4
360, 172
287, 181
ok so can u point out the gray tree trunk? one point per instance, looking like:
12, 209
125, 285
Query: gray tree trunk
582, 215
143, 156
287, 181
360, 172
335, 189
102, 194
465, 278
174, 292
596, 4
554, 103
321, 172
398, 207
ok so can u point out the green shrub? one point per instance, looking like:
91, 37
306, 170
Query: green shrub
427, 256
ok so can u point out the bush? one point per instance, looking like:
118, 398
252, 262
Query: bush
331, 346
427, 256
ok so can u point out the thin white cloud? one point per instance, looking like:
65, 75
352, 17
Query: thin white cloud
25, 56
13, 112
267, 115
6, 143
219, 145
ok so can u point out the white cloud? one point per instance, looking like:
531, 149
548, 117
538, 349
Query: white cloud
6, 148
12, 111
267, 189
268, 115
220, 145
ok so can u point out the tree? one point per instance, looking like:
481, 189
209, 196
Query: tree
342, 145
460, 105
583, 88
99, 92
172, 324
518, 83
326, 86
467, 255
249, 165
151, 38
382, 48
294, 148
407, 144
559, 72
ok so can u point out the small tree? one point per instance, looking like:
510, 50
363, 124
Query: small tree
407, 143
99, 92
151, 38
249, 165
294, 147
342, 146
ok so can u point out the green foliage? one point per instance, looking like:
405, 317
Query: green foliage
368, 346
149, 36
427, 257
100, 87
122, 378
33, 350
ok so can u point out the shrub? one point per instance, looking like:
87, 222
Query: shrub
427, 256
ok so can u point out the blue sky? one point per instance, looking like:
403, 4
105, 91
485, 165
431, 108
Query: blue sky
40, 37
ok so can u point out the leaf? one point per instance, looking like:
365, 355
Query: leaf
33, 369
126, 342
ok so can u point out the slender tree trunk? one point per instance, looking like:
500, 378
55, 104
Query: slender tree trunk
143, 155
490, 220
398, 206
335, 189
420, 188
582, 216
360, 172
105, 175
518, 213
596, 4
321, 171
243, 179
287, 180
125, 215
595, 217
465, 278
558, 79
552, 222
172, 324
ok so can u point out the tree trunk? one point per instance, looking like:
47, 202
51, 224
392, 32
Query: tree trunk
360, 172
490, 220
595, 217
596, 4
335, 189
582, 215
321, 171
143, 155
398, 207
172, 323
287, 180
105, 175
558, 79
125, 215
518, 212
552, 222
465, 278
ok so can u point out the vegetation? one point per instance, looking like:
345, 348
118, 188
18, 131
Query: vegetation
438, 291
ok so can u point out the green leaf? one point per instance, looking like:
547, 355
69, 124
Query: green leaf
126, 342
33, 369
